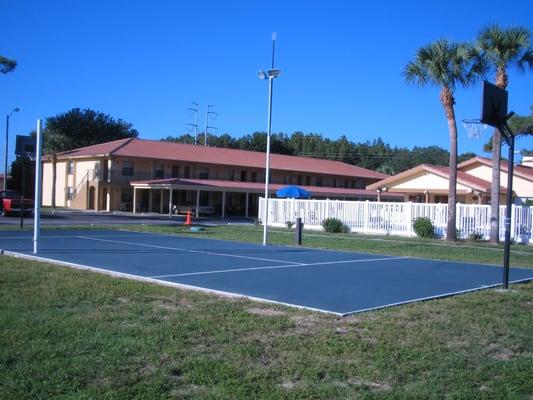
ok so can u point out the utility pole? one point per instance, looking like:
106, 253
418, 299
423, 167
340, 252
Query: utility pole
207, 127
195, 125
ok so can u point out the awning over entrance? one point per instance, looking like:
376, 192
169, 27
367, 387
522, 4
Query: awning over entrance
254, 187
249, 191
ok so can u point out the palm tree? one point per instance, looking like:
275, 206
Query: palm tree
7, 65
446, 64
502, 49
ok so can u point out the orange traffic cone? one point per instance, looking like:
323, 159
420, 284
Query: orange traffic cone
188, 221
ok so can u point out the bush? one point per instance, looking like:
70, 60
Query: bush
475, 237
423, 228
334, 225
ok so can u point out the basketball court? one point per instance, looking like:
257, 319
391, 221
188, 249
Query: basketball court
335, 282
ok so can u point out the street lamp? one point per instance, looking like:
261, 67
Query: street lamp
270, 74
16, 109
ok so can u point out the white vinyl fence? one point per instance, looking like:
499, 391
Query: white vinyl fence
396, 218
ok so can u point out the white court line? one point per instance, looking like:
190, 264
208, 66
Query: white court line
75, 236
437, 296
189, 250
220, 271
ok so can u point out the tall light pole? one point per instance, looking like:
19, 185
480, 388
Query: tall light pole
16, 109
271, 74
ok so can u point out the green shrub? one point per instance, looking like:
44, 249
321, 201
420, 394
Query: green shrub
334, 225
423, 228
475, 237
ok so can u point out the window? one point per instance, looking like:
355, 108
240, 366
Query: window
243, 176
334, 182
308, 181
175, 171
318, 181
159, 170
360, 184
71, 167
254, 176
127, 168
203, 173
187, 172
299, 180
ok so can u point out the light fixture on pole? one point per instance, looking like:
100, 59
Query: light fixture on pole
16, 109
271, 74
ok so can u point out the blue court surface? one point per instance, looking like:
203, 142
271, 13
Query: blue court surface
336, 282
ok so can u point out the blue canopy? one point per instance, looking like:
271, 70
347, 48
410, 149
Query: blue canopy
293, 192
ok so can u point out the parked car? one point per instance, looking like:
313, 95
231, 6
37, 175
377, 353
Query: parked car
11, 203
204, 210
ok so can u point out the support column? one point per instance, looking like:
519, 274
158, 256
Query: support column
197, 203
246, 206
108, 200
134, 200
150, 200
223, 204
170, 202
161, 201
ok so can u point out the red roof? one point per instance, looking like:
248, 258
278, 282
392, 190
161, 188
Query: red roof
462, 177
260, 187
519, 170
216, 155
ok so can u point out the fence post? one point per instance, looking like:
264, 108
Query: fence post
366, 217
327, 209
513, 222
410, 218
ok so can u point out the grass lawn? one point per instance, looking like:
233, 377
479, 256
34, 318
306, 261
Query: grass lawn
75, 334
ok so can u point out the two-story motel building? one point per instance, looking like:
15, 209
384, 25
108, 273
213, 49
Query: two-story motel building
156, 176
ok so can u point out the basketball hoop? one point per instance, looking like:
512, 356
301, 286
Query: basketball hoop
474, 127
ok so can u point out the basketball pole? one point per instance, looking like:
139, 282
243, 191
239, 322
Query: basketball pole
510, 139
38, 186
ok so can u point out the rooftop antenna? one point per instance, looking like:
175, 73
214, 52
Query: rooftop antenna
207, 127
195, 125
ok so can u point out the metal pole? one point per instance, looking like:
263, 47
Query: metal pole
38, 185
267, 168
196, 126
5, 152
23, 194
508, 209
206, 123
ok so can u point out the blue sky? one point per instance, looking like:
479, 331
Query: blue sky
342, 63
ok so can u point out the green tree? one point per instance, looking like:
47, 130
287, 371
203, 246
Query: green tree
7, 65
521, 125
79, 128
503, 49
446, 65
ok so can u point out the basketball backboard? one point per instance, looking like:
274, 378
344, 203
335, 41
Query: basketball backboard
26, 146
494, 105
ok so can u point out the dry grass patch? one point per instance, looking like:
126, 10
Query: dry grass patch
267, 312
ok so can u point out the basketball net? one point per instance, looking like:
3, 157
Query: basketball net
474, 127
